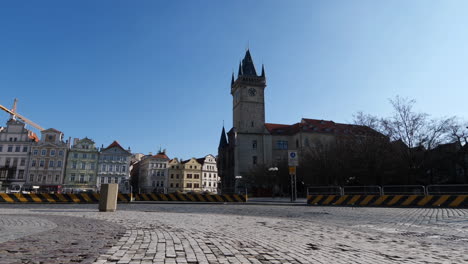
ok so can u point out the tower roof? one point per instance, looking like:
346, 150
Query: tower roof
248, 67
223, 140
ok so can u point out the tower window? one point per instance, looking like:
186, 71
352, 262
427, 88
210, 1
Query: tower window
254, 144
252, 123
254, 160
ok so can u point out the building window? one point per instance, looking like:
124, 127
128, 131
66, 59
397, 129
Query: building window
1, 148
109, 180
60, 152
297, 143
22, 162
306, 142
189, 176
25, 149
189, 185
177, 185
52, 152
41, 163
281, 144
196, 176
10, 148
82, 178
177, 176
196, 185
17, 148
35, 152
111, 167
73, 164
172, 176
172, 185
72, 177
92, 166
102, 179
59, 163
252, 124
103, 167
93, 156
84, 156
43, 152
51, 163
7, 162
33, 163
254, 144
254, 160
20, 174
31, 177
57, 178
123, 168
90, 178
83, 165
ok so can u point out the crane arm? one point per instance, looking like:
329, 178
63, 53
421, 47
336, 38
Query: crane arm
21, 117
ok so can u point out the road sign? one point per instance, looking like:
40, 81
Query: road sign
292, 170
293, 160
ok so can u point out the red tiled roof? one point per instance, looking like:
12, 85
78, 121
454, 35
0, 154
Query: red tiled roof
115, 144
161, 156
317, 126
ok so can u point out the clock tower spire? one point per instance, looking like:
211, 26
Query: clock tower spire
248, 97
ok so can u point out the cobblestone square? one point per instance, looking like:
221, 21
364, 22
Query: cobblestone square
230, 233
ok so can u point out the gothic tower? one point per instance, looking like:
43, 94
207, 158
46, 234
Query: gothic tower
248, 98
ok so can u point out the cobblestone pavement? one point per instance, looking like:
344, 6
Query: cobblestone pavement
217, 233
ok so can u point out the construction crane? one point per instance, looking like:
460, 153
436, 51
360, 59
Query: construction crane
15, 115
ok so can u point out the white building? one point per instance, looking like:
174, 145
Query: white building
114, 166
15, 146
210, 178
153, 174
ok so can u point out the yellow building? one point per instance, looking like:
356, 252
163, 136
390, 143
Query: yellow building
192, 170
175, 176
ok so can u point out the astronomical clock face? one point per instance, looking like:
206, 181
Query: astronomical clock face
252, 92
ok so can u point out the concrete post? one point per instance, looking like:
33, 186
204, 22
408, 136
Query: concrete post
108, 197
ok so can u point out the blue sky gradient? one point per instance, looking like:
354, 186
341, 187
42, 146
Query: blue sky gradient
156, 74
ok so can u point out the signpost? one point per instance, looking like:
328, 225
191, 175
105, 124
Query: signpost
293, 162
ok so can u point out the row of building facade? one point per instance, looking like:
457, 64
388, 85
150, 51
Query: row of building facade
160, 174
52, 164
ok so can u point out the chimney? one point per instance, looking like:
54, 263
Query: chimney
69, 142
75, 141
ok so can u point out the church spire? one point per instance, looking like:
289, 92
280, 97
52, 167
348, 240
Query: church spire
223, 140
248, 67
263, 71
232, 79
240, 69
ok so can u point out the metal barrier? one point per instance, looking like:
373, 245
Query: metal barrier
404, 189
325, 190
447, 189
370, 189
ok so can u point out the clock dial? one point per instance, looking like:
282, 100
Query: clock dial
252, 92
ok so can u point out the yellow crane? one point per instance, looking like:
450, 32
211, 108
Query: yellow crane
14, 114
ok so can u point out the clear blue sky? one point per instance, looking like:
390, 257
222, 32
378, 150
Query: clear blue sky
157, 73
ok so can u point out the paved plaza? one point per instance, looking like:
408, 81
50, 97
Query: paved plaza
230, 233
